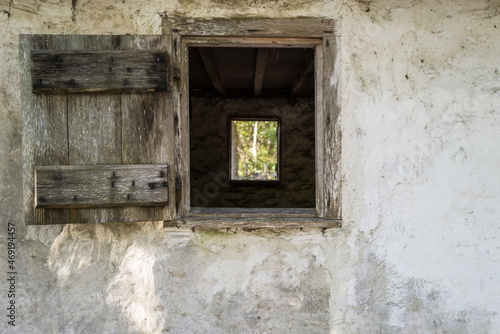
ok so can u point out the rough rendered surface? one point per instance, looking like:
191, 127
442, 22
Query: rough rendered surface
419, 248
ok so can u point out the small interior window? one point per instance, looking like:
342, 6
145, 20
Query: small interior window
254, 150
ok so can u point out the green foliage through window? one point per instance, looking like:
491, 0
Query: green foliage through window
254, 150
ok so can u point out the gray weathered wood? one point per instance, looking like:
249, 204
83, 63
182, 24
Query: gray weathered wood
253, 42
98, 71
247, 27
331, 198
44, 121
248, 224
148, 120
260, 70
101, 186
98, 127
208, 59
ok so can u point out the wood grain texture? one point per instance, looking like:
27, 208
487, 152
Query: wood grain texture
148, 120
331, 127
246, 27
98, 71
44, 122
96, 130
101, 186
218, 223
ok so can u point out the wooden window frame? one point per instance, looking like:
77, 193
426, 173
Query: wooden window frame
276, 33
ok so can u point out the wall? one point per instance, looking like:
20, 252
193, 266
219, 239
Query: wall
209, 157
418, 252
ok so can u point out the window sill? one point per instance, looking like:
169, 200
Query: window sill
251, 219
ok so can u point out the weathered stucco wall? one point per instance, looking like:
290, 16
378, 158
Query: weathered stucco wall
419, 250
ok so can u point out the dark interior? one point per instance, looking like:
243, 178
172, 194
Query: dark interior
227, 82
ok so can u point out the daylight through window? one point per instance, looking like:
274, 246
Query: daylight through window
254, 150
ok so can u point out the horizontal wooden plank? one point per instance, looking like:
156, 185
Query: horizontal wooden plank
253, 42
98, 71
262, 27
217, 223
253, 212
101, 186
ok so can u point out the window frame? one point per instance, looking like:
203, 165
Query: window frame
272, 33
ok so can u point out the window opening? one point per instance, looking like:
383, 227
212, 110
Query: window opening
254, 150
252, 126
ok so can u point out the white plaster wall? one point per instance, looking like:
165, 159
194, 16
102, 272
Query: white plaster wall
419, 250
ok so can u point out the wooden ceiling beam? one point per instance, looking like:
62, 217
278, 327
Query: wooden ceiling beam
302, 78
260, 70
208, 59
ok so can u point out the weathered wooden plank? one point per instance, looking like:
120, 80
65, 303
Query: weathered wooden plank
218, 223
208, 59
261, 27
253, 42
147, 123
182, 179
101, 186
98, 71
331, 127
254, 212
302, 78
260, 70
45, 147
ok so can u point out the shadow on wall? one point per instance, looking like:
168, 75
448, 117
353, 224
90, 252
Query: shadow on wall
132, 278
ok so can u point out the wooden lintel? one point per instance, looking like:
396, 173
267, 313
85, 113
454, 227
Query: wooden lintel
249, 27
260, 70
302, 78
208, 59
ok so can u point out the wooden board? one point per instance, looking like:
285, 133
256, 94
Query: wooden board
98, 71
249, 27
101, 186
332, 187
45, 137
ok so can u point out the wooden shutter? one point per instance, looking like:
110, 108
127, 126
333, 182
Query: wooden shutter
95, 151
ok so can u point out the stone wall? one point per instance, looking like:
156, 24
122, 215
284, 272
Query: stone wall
209, 158
418, 251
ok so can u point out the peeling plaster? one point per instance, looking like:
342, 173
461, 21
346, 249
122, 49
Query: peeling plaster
418, 251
